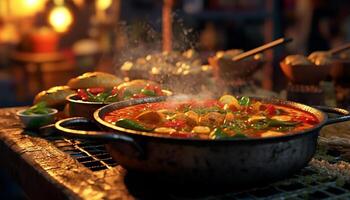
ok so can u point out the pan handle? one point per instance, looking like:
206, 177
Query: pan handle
345, 115
80, 123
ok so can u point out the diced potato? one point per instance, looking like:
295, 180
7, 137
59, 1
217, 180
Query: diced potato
256, 117
201, 130
227, 99
282, 118
230, 102
151, 117
164, 130
271, 134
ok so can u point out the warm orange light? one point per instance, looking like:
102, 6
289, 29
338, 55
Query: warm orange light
60, 18
103, 4
32, 3
21, 8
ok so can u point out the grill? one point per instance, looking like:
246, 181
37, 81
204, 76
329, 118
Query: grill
307, 184
92, 155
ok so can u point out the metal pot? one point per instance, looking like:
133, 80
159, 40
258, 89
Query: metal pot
79, 108
243, 162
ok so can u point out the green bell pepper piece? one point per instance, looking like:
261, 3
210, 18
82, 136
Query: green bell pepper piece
244, 101
149, 93
130, 124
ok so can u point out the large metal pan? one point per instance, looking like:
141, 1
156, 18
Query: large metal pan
243, 162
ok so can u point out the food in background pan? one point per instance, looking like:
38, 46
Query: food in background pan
179, 72
164, 64
225, 68
225, 118
321, 58
306, 70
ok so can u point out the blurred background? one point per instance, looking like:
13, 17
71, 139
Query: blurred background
44, 43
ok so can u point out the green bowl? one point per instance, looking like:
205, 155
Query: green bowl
34, 121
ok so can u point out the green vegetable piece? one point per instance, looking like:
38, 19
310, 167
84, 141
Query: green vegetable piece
284, 128
237, 126
260, 125
218, 134
149, 93
112, 98
276, 123
130, 124
266, 123
91, 97
239, 135
244, 101
101, 97
39, 108
127, 94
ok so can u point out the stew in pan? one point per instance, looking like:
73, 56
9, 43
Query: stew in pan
225, 118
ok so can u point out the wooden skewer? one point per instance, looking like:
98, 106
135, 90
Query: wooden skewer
167, 25
339, 49
261, 48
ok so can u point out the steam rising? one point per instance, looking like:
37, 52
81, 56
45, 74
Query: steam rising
139, 41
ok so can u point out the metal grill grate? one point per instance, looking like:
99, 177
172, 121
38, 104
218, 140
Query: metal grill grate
307, 184
92, 155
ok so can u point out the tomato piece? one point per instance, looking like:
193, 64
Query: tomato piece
250, 110
150, 87
82, 94
114, 91
96, 90
270, 109
158, 90
175, 124
305, 119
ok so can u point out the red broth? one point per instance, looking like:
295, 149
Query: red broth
212, 119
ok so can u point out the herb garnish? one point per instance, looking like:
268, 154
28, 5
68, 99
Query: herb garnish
39, 108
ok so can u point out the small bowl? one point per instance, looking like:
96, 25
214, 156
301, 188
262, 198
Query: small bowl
305, 74
79, 108
37, 120
227, 69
